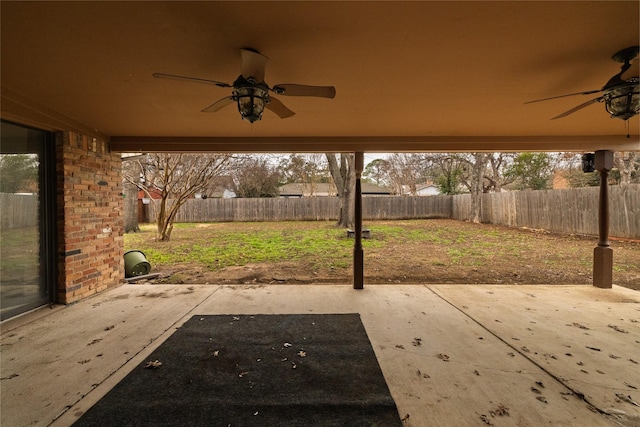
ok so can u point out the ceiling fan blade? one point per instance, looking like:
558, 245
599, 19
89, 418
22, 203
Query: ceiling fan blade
253, 64
190, 79
218, 105
279, 108
632, 71
579, 107
303, 90
589, 92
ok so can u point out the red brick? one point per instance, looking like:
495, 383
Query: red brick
85, 209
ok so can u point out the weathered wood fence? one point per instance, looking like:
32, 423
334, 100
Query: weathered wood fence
18, 210
308, 209
573, 211
567, 211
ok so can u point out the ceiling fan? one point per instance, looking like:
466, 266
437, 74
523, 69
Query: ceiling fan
251, 92
621, 94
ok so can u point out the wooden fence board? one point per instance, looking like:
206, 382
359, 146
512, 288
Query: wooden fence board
18, 210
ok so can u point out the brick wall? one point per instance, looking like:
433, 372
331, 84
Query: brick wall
90, 217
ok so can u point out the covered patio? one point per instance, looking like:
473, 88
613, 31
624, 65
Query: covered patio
77, 82
450, 354
78, 85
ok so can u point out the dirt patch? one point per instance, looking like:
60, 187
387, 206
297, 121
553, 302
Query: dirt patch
456, 253
281, 272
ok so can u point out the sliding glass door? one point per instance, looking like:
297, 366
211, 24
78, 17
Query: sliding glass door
27, 221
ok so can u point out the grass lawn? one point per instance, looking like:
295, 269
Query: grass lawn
411, 251
20, 255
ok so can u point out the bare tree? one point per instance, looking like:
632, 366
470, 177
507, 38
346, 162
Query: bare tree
628, 164
342, 170
469, 170
169, 180
478, 163
377, 172
449, 173
568, 171
626, 169
255, 176
495, 178
406, 171
309, 170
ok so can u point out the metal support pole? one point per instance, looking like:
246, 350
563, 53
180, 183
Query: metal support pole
358, 254
603, 254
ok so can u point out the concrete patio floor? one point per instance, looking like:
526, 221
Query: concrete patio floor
452, 355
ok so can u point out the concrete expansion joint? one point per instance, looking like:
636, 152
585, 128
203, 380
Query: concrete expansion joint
559, 380
152, 344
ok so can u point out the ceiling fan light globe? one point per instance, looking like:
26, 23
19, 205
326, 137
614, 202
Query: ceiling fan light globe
251, 102
623, 103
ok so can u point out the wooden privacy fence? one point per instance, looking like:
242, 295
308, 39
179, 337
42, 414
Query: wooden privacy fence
573, 211
308, 209
18, 210
567, 211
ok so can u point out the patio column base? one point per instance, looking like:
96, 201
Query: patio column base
603, 267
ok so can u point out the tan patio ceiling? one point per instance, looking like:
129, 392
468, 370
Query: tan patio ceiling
420, 75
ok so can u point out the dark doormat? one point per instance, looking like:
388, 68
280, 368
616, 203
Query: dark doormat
260, 370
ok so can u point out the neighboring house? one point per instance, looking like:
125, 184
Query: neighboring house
222, 191
307, 190
421, 190
224, 188
374, 190
219, 192
427, 190
154, 192
327, 189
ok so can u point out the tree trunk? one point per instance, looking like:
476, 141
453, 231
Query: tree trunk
130, 208
625, 164
347, 205
162, 222
495, 183
477, 176
343, 175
